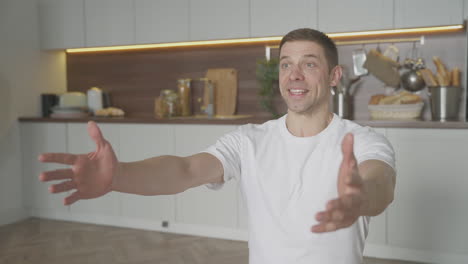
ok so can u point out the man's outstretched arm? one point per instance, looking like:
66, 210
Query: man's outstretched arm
97, 173
167, 174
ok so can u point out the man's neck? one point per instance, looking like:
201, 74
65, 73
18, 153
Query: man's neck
307, 125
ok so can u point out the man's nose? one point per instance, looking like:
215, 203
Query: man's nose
296, 74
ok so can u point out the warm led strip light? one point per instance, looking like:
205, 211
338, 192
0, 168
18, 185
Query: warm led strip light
402, 31
178, 44
373, 33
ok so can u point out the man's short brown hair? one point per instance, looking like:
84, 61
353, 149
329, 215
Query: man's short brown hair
308, 34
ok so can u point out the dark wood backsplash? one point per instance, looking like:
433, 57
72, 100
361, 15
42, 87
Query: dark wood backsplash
134, 78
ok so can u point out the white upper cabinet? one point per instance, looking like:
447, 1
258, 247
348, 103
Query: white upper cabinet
276, 17
161, 21
423, 13
345, 15
429, 213
465, 9
61, 24
91, 23
109, 22
219, 19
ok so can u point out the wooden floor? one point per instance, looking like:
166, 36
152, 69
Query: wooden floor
41, 241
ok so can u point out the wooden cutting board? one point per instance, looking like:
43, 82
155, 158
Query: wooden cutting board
225, 86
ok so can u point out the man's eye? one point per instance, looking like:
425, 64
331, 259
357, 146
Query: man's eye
284, 65
310, 65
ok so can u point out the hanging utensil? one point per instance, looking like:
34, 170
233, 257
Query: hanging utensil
412, 79
359, 58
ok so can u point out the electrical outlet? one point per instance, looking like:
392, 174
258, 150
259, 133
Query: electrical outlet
165, 224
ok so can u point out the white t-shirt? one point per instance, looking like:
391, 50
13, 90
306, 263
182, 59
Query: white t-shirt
286, 180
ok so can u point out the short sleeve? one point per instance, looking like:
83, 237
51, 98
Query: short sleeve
227, 150
368, 145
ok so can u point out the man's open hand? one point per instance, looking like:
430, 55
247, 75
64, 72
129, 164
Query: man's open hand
343, 211
90, 174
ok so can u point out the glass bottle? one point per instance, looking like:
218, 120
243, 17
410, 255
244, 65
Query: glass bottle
170, 102
185, 96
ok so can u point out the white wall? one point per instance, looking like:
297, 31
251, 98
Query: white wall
25, 73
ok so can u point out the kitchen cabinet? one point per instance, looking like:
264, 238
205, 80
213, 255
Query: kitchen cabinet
423, 13
37, 138
465, 9
276, 18
61, 24
219, 19
160, 21
425, 223
79, 142
344, 15
429, 213
109, 22
138, 142
200, 205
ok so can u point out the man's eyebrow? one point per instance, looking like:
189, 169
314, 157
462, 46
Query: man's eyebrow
306, 56
311, 56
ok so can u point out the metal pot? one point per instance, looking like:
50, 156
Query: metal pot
412, 80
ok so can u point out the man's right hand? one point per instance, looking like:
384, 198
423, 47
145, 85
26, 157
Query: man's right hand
91, 175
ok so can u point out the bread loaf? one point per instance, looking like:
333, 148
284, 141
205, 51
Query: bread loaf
403, 97
375, 99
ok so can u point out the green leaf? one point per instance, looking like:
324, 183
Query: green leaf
267, 76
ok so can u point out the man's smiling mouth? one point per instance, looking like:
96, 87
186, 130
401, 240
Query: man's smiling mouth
298, 91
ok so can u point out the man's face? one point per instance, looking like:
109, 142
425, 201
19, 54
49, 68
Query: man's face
304, 77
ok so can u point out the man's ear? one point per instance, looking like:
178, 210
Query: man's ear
335, 75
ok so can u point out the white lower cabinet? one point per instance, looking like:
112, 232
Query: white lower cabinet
79, 142
37, 138
200, 205
138, 142
425, 223
430, 213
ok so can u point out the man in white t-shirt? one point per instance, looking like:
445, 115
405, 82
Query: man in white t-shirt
310, 179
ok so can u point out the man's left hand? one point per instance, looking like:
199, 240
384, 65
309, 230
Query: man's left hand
343, 211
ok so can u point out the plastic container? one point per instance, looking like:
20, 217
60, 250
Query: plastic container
94, 95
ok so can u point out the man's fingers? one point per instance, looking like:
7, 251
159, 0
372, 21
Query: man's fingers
61, 174
95, 134
62, 158
331, 215
71, 198
325, 227
334, 204
62, 187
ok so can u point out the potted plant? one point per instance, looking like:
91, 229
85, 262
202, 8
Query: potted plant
267, 76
